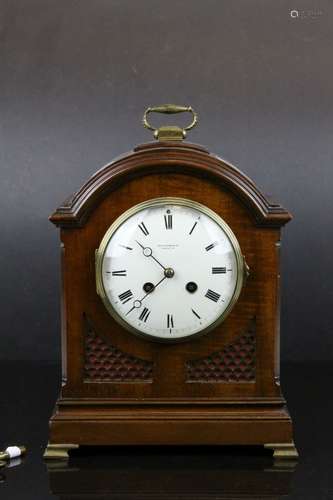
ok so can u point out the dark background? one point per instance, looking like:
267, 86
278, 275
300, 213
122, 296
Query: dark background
75, 78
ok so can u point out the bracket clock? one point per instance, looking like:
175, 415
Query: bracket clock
170, 304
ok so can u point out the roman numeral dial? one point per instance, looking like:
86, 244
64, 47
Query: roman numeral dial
210, 294
168, 221
119, 273
143, 228
193, 227
170, 322
144, 314
195, 314
169, 269
219, 270
125, 296
211, 246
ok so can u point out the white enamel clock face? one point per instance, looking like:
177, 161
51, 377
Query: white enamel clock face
169, 268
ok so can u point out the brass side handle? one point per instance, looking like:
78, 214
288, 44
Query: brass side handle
170, 132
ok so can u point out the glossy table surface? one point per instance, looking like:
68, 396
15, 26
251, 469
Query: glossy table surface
28, 392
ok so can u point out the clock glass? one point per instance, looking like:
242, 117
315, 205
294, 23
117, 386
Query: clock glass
169, 268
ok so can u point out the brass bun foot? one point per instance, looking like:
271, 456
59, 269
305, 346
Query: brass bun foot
283, 451
58, 451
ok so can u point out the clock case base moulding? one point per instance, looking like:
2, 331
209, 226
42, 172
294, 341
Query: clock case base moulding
220, 425
169, 410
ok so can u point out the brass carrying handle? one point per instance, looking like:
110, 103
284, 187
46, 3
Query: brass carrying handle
170, 109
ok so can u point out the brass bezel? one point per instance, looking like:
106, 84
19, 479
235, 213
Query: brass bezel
242, 268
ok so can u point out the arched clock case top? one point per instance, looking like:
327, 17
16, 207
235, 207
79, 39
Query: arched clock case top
177, 400
155, 158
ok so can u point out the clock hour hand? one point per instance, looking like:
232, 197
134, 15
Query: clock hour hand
147, 252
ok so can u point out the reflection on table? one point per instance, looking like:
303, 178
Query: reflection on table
172, 474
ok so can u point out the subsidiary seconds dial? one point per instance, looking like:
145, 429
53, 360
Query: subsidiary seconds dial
169, 268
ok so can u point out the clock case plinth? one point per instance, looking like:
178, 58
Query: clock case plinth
219, 389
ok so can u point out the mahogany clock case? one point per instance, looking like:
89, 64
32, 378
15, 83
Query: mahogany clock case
221, 388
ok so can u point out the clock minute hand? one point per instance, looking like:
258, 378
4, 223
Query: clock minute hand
155, 286
147, 252
137, 303
164, 277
